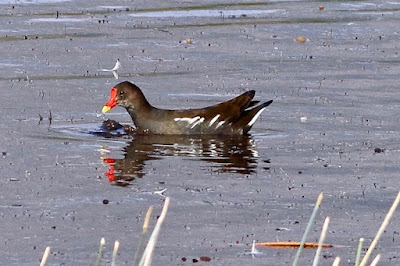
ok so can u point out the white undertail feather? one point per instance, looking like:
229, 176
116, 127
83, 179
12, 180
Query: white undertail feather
253, 120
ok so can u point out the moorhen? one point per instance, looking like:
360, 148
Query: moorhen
233, 117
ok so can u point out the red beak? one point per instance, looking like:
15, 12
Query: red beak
112, 102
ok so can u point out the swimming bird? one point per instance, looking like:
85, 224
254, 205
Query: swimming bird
233, 117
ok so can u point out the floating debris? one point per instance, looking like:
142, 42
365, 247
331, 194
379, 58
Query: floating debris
114, 69
301, 39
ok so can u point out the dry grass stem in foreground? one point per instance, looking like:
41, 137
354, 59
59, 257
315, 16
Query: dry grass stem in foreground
359, 250
143, 236
321, 241
114, 255
101, 250
45, 256
147, 219
336, 261
381, 230
253, 247
148, 252
303, 240
376, 260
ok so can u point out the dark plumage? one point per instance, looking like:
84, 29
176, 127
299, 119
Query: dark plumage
233, 117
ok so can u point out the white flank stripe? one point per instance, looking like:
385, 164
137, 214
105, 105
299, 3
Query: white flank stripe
214, 119
194, 119
183, 119
201, 120
191, 121
253, 120
220, 124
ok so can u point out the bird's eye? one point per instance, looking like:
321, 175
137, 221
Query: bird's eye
121, 93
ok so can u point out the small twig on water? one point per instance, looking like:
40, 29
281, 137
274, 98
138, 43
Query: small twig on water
50, 117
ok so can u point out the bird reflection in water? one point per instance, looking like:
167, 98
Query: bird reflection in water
226, 154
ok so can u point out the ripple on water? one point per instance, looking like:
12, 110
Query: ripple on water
87, 130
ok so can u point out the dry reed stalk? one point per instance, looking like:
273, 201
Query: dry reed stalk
148, 252
336, 261
101, 250
303, 240
376, 260
143, 236
381, 230
321, 241
45, 256
359, 250
114, 255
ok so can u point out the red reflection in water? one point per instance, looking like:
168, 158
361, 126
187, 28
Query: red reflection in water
110, 168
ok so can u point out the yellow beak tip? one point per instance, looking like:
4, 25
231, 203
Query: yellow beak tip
105, 109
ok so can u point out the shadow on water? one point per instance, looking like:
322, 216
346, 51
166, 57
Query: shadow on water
227, 154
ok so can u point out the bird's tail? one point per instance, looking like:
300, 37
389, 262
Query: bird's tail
250, 116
